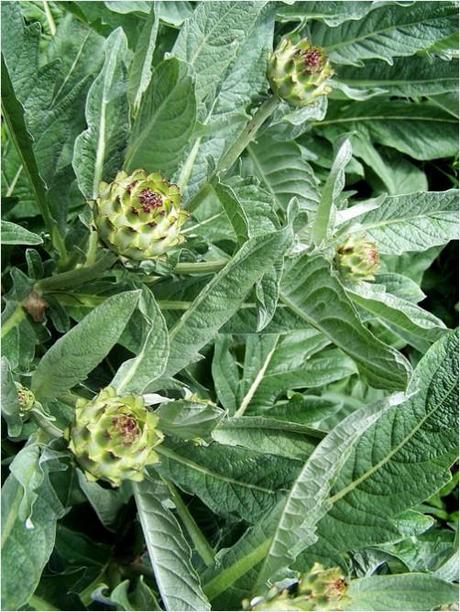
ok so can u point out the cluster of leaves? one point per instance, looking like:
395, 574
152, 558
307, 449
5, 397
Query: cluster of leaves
307, 416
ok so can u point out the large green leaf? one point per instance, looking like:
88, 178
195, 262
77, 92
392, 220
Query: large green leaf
234, 91
74, 355
330, 193
423, 131
313, 293
332, 13
413, 222
402, 460
12, 233
388, 31
233, 482
283, 172
291, 525
222, 297
140, 71
269, 436
135, 375
408, 76
99, 149
413, 591
165, 120
418, 327
26, 545
169, 552
210, 39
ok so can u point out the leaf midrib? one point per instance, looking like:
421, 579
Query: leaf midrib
166, 452
382, 462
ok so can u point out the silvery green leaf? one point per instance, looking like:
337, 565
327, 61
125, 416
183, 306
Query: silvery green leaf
413, 222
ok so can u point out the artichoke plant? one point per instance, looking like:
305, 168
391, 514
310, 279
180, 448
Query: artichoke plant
358, 258
26, 399
299, 72
319, 589
139, 215
113, 437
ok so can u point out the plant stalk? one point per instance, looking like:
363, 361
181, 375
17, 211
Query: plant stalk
201, 544
233, 153
201, 267
75, 278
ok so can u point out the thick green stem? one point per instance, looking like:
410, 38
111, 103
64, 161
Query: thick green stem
201, 267
48, 428
75, 278
49, 18
201, 544
14, 319
233, 153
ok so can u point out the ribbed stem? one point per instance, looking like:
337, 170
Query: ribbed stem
233, 153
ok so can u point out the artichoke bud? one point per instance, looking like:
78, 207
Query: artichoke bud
358, 258
300, 72
326, 588
139, 215
319, 589
26, 400
113, 437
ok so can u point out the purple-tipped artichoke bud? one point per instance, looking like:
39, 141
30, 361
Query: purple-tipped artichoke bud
299, 72
319, 589
113, 437
26, 399
139, 215
358, 258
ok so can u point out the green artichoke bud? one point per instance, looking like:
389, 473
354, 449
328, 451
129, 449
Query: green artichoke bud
319, 589
139, 215
26, 399
358, 258
113, 437
300, 72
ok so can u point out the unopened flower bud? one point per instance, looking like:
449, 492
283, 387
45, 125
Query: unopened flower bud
113, 437
139, 215
358, 258
299, 72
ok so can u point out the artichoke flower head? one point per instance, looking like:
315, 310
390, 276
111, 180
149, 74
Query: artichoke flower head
299, 72
358, 258
113, 437
139, 215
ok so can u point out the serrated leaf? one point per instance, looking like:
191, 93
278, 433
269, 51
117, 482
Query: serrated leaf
26, 550
135, 375
223, 296
413, 222
418, 327
169, 552
415, 591
166, 118
210, 38
422, 131
140, 71
403, 459
408, 76
314, 294
233, 482
79, 351
11, 233
282, 172
99, 149
388, 31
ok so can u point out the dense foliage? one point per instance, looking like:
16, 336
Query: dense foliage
229, 369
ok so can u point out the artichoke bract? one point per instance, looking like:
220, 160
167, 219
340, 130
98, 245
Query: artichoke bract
299, 72
26, 399
358, 258
139, 215
113, 437
319, 589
